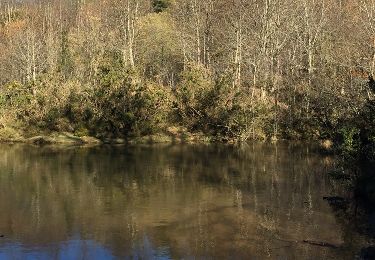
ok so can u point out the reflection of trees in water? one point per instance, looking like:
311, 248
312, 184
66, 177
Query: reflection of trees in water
198, 200
354, 206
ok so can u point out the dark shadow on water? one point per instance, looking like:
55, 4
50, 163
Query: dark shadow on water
355, 208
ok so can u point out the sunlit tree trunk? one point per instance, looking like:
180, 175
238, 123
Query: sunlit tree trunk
129, 18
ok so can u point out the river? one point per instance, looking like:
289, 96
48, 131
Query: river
168, 202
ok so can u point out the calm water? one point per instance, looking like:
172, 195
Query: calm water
167, 202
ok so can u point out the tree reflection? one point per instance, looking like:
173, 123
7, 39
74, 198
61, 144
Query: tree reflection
173, 201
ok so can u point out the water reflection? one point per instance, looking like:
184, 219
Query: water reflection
165, 202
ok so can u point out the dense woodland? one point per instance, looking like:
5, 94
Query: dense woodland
233, 70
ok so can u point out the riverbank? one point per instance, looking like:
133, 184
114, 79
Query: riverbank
173, 135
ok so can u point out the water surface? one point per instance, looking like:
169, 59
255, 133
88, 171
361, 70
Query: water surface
167, 202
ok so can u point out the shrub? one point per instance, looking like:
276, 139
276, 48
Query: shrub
123, 105
350, 139
160, 5
219, 109
9, 134
192, 96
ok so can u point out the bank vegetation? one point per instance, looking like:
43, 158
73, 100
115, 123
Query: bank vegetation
230, 71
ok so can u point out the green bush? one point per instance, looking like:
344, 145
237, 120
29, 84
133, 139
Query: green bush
15, 95
350, 139
123, 105
220, 109
160, 5
193, 97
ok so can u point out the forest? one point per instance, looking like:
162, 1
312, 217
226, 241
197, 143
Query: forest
231, 70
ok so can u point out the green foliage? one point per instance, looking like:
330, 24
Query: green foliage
357, 136
192, 96
219, 109
160, 5
66, 62
126, 106
82, 131
119, 104
350, 139
366, 122
160, 58
15, 95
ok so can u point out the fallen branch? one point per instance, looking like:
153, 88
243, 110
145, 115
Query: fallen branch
318, 243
